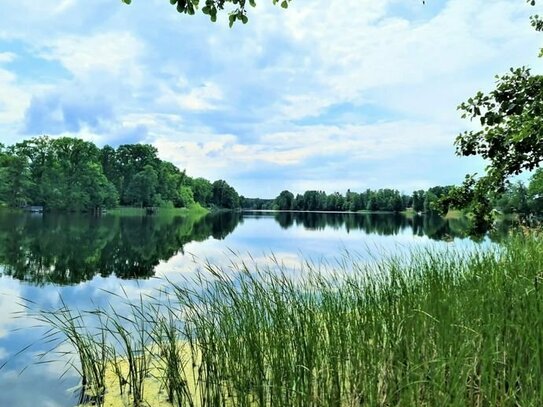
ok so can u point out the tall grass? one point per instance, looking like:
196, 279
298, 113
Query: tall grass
91, 349
132, 334
173, 360
433, 328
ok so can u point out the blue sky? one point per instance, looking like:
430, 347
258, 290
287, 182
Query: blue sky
329, 94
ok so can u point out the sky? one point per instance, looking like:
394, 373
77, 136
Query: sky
327, 95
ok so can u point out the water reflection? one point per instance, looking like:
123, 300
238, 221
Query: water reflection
434, 227
68, 249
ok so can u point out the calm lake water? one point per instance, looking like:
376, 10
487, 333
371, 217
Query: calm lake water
83, 259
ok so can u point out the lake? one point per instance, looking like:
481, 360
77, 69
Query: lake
82, 260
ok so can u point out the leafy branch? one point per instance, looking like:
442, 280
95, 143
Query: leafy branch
238, 8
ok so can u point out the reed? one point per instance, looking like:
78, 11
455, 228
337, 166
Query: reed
132, 334
172, 360
90, 348
430, 328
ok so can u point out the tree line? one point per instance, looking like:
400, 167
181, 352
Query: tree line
381, 200
517, 198
75, 175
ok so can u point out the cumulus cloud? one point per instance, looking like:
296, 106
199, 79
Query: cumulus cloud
182, 97
13, 97
112, 53
55, 113
7, 57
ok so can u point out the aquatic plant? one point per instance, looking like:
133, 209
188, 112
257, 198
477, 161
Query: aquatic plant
90, 348
432, 328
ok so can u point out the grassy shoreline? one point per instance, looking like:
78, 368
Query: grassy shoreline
195, 209
433, 328
133, 211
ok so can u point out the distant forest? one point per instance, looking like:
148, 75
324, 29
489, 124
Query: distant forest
75, 175
518, 198
382, 200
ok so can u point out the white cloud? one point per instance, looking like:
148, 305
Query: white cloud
204, 153
357, 47
13, 312
112, 53
63, 6
200, 98
7, 57
13, 98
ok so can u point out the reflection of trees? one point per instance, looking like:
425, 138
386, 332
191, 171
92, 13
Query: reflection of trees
223, 223
66, 249
285, 219
382, 224
433, 226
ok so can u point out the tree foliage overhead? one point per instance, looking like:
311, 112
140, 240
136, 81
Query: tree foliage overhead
237, 9
511, 119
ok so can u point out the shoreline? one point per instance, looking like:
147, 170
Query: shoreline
364, 212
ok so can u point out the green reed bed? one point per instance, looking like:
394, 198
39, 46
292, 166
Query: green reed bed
89, 356
433, 328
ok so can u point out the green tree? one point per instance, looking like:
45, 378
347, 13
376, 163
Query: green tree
334, 202
40, 163
351, 199
72, 174
111, 167
202, 190
418, 201
79, 175
15, 183
299, 202
142, 188
224, 196
430, 200
535, 192
237, 9
284, 201
397, 203
131, 159
99, 191
372, 204
110, 195
187, 197
170, 182
314, 200
514, 199
510, 137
